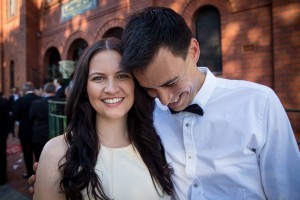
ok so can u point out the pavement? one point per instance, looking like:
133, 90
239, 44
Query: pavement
17, 186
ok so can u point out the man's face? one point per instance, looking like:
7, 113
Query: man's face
173, 80
55, 83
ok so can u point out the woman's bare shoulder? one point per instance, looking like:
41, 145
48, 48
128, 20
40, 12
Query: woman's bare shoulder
48, 174
57, 146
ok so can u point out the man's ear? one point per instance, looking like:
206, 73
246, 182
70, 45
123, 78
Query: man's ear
194, 50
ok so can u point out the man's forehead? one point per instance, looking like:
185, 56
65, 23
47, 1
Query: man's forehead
147, 79
164, 67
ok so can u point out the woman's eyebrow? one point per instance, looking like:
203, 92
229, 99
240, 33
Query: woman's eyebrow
94, 73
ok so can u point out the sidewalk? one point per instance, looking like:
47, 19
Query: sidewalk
17, 186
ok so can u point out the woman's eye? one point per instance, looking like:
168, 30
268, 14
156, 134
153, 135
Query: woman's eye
97, 78
123, 76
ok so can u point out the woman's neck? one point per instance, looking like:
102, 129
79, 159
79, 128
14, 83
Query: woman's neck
112, 133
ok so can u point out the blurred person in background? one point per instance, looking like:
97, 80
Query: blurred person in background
4, 131
39, 92
21, 114
39, 115
14, 96
60, 90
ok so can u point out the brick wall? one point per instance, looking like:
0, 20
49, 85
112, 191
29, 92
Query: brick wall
260, 38
286, 49
1, 48
13, 48
31, 40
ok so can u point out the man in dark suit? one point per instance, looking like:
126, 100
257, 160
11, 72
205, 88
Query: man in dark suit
39, 115
60, 89
14, 96
4, 130
20, 113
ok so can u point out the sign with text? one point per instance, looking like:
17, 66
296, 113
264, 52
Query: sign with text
76, 7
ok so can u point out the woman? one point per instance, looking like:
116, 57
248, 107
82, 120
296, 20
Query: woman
110, 149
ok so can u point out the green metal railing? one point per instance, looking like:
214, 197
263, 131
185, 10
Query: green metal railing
57, 118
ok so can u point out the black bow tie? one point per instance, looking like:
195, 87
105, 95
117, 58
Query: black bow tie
194, 108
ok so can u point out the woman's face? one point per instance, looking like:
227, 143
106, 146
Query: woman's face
110, 90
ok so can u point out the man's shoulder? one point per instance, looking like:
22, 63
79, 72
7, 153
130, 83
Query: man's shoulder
241, 85
30, 96
4, 102
38, 101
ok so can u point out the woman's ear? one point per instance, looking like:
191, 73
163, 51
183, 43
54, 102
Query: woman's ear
194, 50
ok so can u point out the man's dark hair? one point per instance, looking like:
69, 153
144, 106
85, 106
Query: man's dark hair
49, 88
149, 30
59, 80
28, 86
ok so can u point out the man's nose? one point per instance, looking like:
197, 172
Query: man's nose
164, 95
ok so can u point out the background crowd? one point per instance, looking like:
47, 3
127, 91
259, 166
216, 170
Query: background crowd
24, 114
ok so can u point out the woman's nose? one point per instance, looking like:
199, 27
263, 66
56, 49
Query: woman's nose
111, 86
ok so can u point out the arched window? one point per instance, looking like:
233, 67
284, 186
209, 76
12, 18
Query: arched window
114, 32
76, 49
208, 34
52, 57
12, 9
12, 74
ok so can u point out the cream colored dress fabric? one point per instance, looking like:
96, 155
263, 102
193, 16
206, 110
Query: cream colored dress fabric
124, 175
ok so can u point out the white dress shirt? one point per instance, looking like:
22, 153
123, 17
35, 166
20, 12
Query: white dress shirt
243, 147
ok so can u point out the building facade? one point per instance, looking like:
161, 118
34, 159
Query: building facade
256, 40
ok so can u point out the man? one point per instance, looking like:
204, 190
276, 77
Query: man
20, 113
14, 96
60, 90
39, 115
4, 130
240, 145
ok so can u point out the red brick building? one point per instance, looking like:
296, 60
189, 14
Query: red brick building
256, 40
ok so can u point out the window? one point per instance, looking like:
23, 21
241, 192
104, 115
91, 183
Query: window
12, 9
12, 74
208, 35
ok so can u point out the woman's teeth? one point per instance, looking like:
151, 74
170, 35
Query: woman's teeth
111, 101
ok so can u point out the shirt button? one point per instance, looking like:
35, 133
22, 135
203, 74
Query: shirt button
195, 185
187, 125
189, 156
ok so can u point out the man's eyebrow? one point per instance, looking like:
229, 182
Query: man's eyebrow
169, 82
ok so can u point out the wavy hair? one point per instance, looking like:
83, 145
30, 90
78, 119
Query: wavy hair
77, 166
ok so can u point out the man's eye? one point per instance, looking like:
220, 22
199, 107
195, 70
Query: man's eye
171, 84
151, 92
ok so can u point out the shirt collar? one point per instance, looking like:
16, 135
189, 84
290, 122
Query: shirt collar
207, 88
203, 94
29, 92
58, 87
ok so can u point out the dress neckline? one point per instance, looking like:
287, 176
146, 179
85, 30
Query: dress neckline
115, 148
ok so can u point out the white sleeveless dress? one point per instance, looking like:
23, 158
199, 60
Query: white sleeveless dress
124, 175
